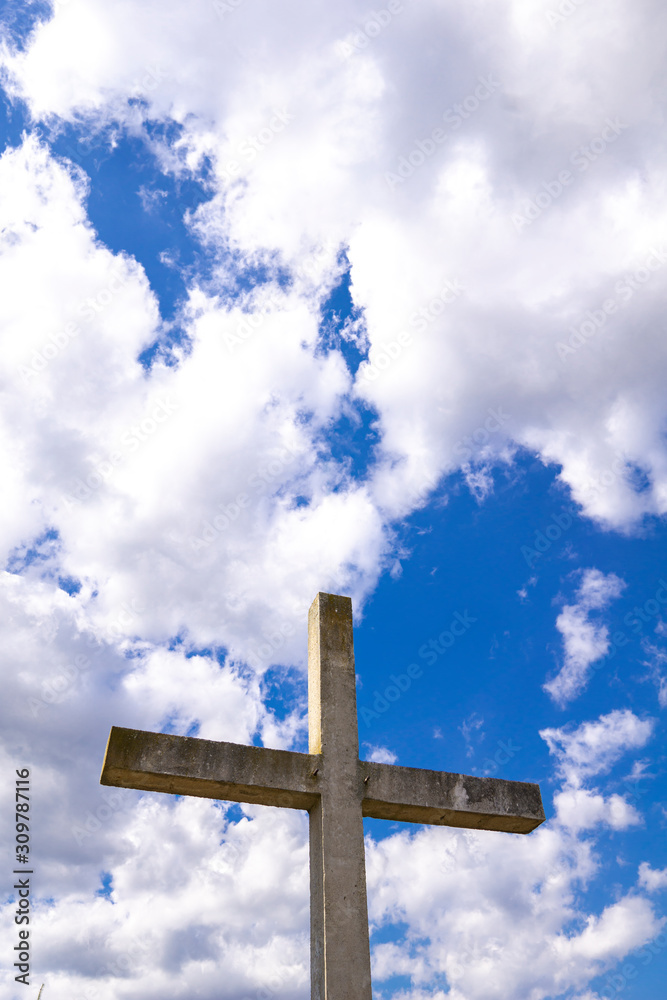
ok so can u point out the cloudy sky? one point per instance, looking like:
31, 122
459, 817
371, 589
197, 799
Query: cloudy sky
302, 296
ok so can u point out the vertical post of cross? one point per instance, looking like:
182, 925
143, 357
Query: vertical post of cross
339, 941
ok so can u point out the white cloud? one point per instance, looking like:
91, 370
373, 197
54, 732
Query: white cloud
346, 128
380, 754
186, 904
598, 591
498, 916
468, 728
104, 452
652, 879
594, 747
196, 896
618, 930
172, 862
196, 503
589, 751
580, 809
585, 640
596, 410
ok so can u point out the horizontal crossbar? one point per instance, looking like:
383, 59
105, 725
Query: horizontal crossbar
440, 798
185, 765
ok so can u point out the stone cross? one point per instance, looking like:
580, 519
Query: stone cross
336, 788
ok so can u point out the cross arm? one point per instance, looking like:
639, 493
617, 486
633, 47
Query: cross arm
184, 765
413, 795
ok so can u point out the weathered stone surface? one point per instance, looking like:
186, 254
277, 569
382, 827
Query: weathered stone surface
340, 961
335, 787
184, 765
414, 795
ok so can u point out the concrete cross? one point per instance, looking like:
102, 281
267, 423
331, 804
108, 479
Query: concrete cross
336, 788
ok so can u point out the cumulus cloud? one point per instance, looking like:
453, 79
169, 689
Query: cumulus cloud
194, 506
535, 259
585, 640
341, 121
594, 747
105, 452
652, 879
619, 929
589, 751
169, 924
497, 916
380, 754
166, 863
580, 809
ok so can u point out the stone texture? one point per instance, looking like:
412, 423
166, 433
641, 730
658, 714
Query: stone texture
184, 765
336, 788
414, 795
340, 961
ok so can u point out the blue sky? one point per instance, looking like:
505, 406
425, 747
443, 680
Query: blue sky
361, 300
